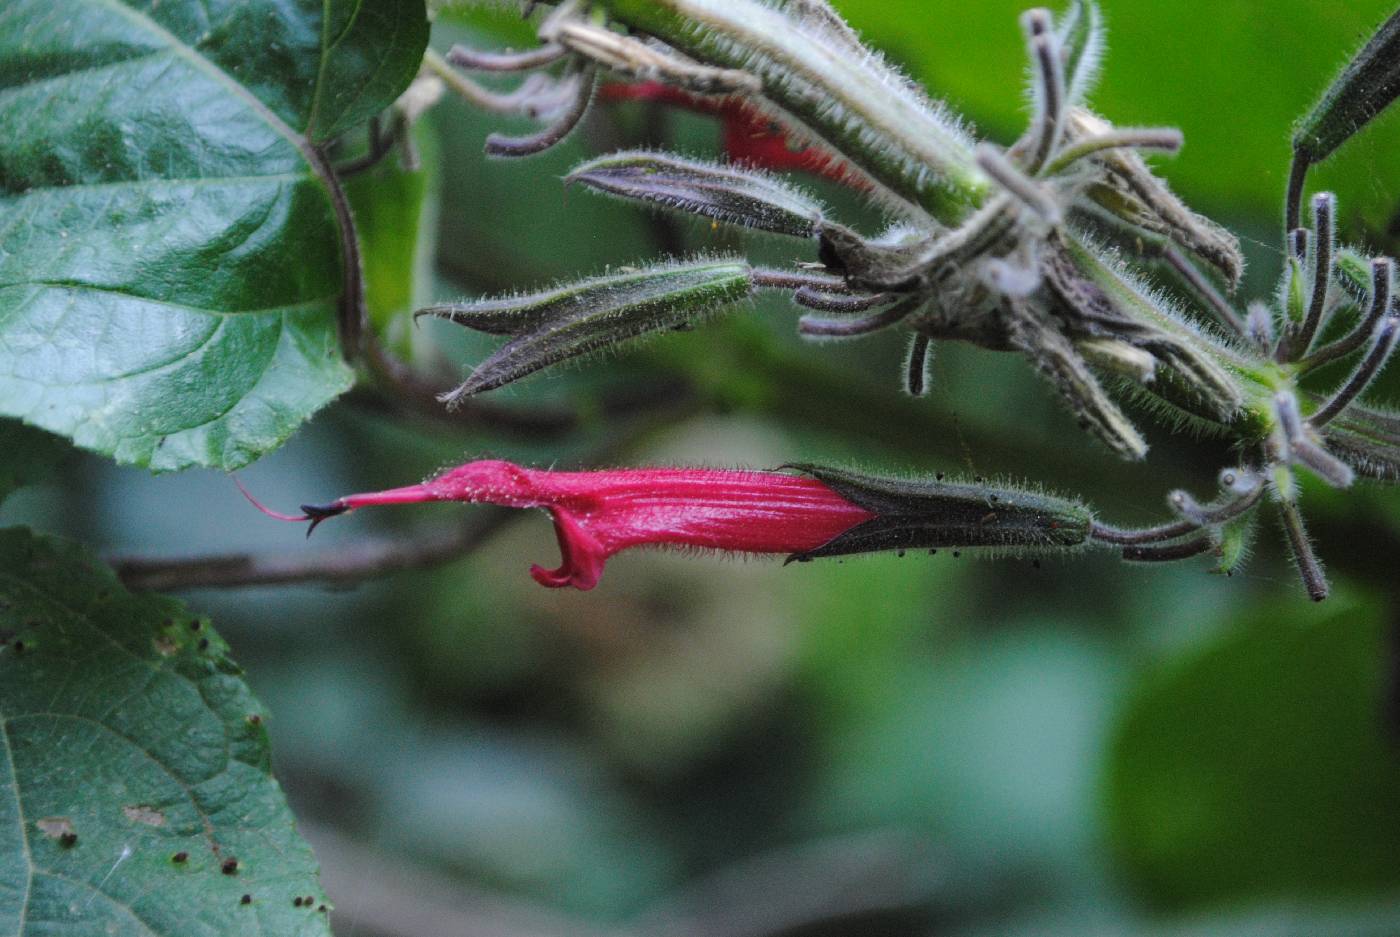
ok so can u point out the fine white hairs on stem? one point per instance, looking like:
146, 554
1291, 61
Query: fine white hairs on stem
1309, 567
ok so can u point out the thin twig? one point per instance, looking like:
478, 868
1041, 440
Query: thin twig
348, 563
354, 315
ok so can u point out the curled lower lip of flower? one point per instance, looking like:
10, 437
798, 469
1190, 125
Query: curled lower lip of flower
820, 512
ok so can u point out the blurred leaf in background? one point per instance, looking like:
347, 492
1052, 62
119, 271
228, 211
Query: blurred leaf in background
1263, 764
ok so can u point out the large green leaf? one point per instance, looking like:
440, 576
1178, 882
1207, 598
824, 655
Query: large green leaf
135, 792
170, 257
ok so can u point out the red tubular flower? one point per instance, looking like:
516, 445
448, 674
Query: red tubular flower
599, 513
823, 512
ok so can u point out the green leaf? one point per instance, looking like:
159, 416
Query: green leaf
1368, 439
133, 767
170, 257
1262, 765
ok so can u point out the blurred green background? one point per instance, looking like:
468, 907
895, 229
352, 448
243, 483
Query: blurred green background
884, 746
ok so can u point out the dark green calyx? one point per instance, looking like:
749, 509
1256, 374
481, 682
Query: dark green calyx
912, 514
1365, 88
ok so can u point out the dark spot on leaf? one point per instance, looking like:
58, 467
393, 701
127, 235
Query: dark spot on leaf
255, 720
140, 813
957, 553
322, 909
296, 902
246, 899
196, 625
204, 644
229, 866
68, 840
180, 858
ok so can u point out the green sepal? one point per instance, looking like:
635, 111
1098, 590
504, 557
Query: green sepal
1353, 270
743, 197
1234, 541
1296, 292
915, 514
1368, 440
562, 323
1365, 88
1081, 34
